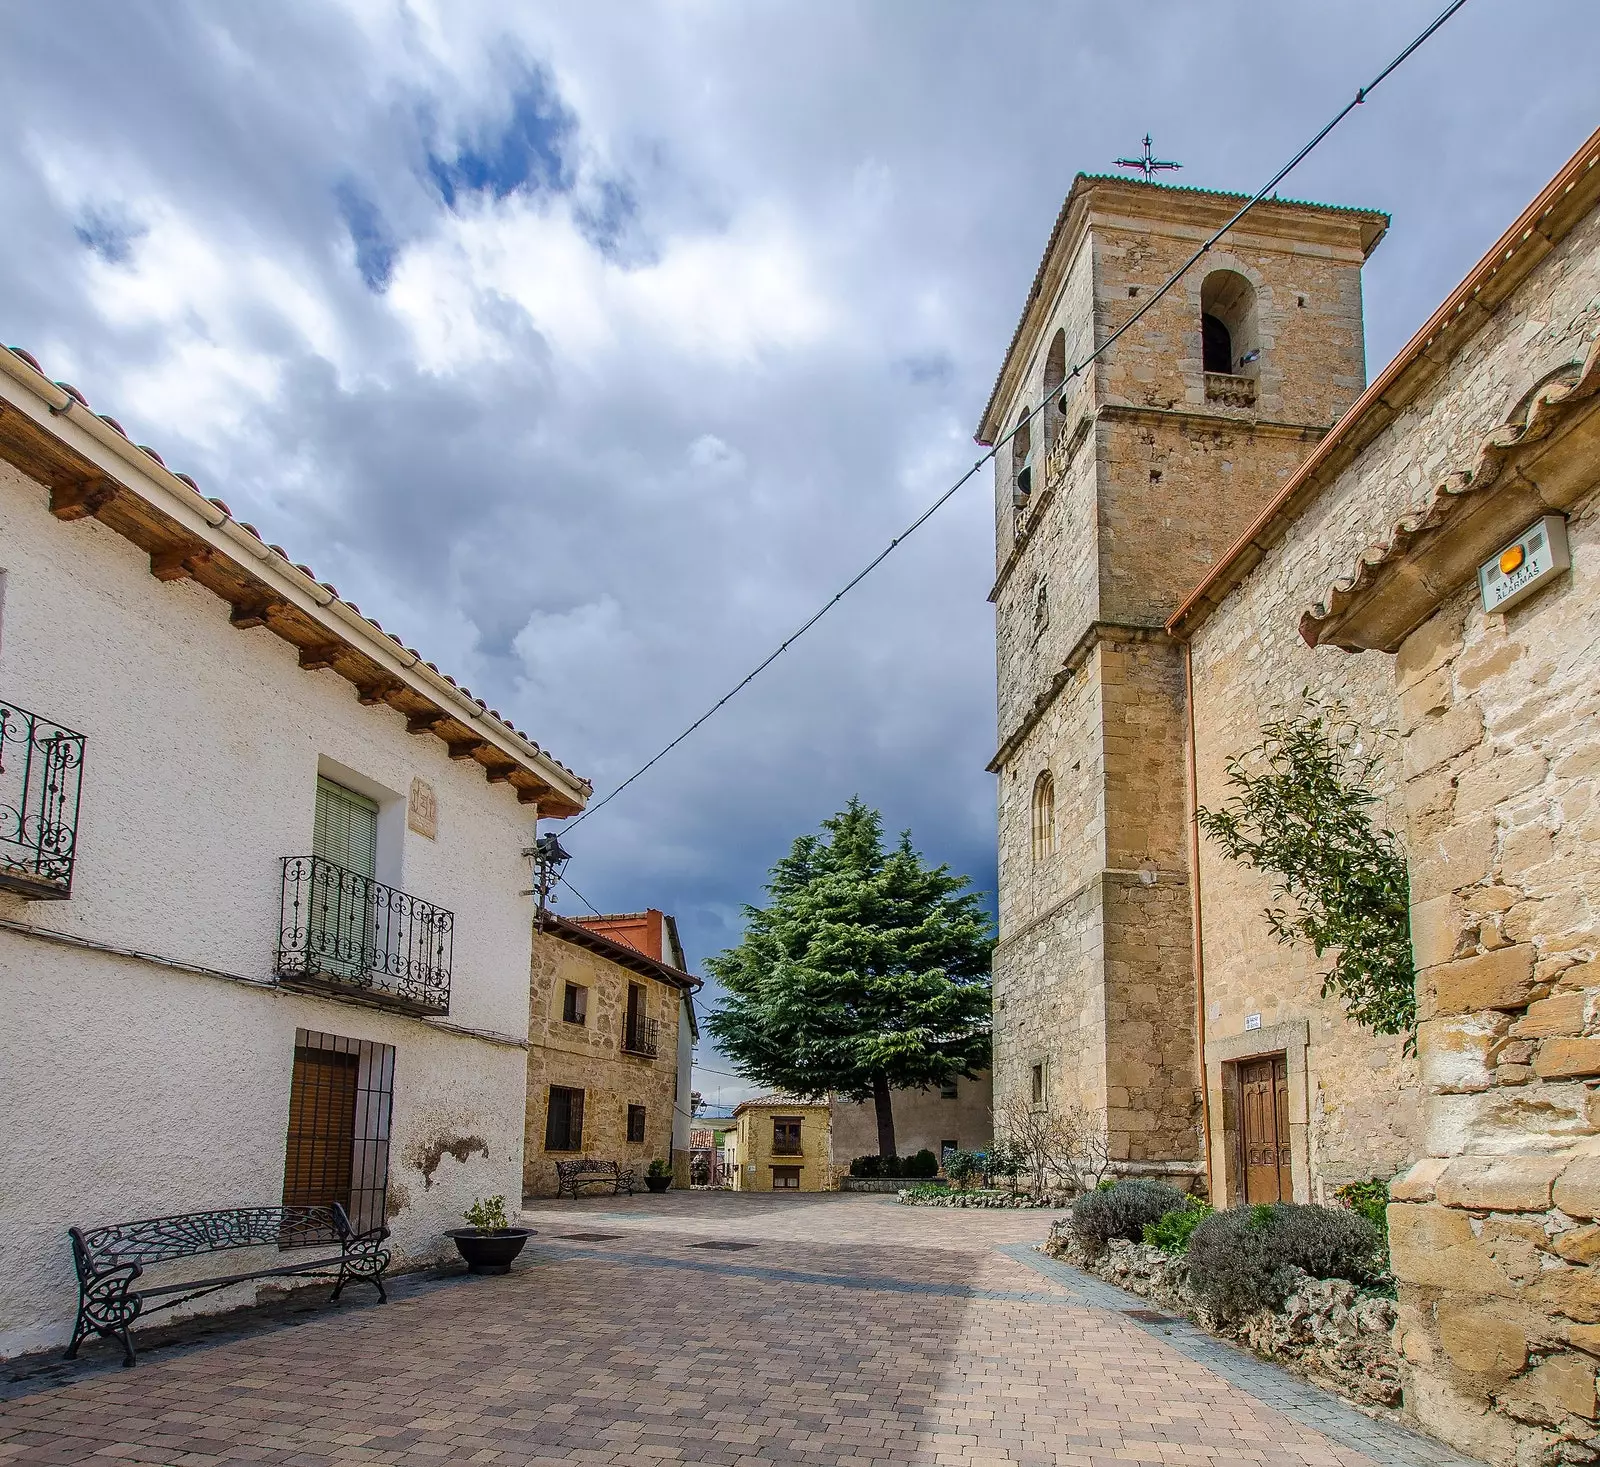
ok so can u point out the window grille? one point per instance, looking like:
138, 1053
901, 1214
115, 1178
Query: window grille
636, 1123
341, 1095
563, 1126
575, 1004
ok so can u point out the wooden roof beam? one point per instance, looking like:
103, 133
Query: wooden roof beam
81, 499
180, 563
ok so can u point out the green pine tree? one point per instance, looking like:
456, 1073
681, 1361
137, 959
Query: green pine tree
867, 972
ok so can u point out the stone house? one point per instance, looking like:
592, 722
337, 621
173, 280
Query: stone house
781, 1144
605, 1077
1110, 505
1478, 613
261, 932
940, 1119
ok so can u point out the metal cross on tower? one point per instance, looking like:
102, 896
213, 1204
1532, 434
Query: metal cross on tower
1148, 164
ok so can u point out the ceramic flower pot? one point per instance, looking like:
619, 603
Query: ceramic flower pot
490, 1252
658, 1184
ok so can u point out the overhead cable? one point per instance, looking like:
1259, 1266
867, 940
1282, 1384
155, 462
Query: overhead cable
1268, 187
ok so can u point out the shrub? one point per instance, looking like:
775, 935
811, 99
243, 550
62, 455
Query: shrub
487, 1214
864, 1166
923, 1164
1172, 1230
962, 1167
1243, 1260
1370, 1199
1123, 1210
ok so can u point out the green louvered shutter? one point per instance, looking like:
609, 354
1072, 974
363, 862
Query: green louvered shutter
344, 834
346, 829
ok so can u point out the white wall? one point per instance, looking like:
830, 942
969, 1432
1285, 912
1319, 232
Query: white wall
130, 1090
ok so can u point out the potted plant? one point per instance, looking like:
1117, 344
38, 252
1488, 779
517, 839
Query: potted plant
491, 1242
658, 1176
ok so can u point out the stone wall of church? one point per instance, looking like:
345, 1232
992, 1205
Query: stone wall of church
1249, 667
1496, 1232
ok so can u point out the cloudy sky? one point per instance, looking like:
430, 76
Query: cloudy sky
590, 346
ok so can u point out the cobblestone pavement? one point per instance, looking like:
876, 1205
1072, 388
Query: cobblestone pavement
836, 1330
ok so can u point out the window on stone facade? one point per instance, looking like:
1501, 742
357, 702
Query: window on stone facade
1044, 815
636, 1123
575, 1004
1041, 607
563, 1124
1228, 333
786, 1136
1022, 460
1038, 1084
786, 1179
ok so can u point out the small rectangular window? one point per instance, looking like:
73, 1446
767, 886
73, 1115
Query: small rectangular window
575, 1004
636, 1123
1038, 1084
786, 1136
563, 1126
948, 1090
786, 1179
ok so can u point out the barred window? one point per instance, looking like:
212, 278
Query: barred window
563, 1125
636, 1123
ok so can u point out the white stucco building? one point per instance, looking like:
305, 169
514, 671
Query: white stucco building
286, 856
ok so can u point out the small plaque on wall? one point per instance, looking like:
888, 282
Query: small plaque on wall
422, 810
1252, 1021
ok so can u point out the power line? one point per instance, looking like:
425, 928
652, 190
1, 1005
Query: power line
593, 910
950, 493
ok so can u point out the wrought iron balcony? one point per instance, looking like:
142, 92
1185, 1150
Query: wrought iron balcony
787, 1148
347, 936
641, 1036
41, 774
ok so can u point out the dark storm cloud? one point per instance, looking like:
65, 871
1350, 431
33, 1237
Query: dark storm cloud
591, 347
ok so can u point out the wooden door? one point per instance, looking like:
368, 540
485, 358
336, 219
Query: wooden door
1264, 1129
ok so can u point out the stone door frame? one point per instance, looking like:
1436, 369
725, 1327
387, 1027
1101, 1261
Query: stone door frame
1291, 1039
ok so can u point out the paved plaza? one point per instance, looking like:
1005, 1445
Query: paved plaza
720, 1328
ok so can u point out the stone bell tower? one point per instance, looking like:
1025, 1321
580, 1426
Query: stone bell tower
1109, 509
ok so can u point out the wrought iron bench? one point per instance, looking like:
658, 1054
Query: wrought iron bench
111, 1259
571, 1175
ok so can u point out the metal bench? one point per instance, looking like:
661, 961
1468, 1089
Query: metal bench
571, 1175
111, 1259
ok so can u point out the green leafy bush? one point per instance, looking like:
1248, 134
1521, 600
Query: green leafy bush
864, 1166
1370, 1199
1243, 1260
1300, 809
923, 1164
1172, 1230
1123, 1210
963, 1167
658, 1168
487, 1214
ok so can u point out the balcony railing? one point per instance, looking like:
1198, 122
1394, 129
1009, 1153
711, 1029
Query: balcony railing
41, 774
1231, 390
640, 1036
787, 1148
348, 936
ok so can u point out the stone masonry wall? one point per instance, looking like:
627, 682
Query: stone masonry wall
1497, 1230
1249, 666
589, 1057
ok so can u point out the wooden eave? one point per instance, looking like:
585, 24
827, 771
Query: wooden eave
618, 952
194, 538
1560, 206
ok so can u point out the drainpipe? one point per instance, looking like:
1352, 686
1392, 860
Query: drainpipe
1195, 918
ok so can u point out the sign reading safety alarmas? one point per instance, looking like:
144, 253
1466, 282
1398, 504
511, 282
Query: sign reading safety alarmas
1534, 557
